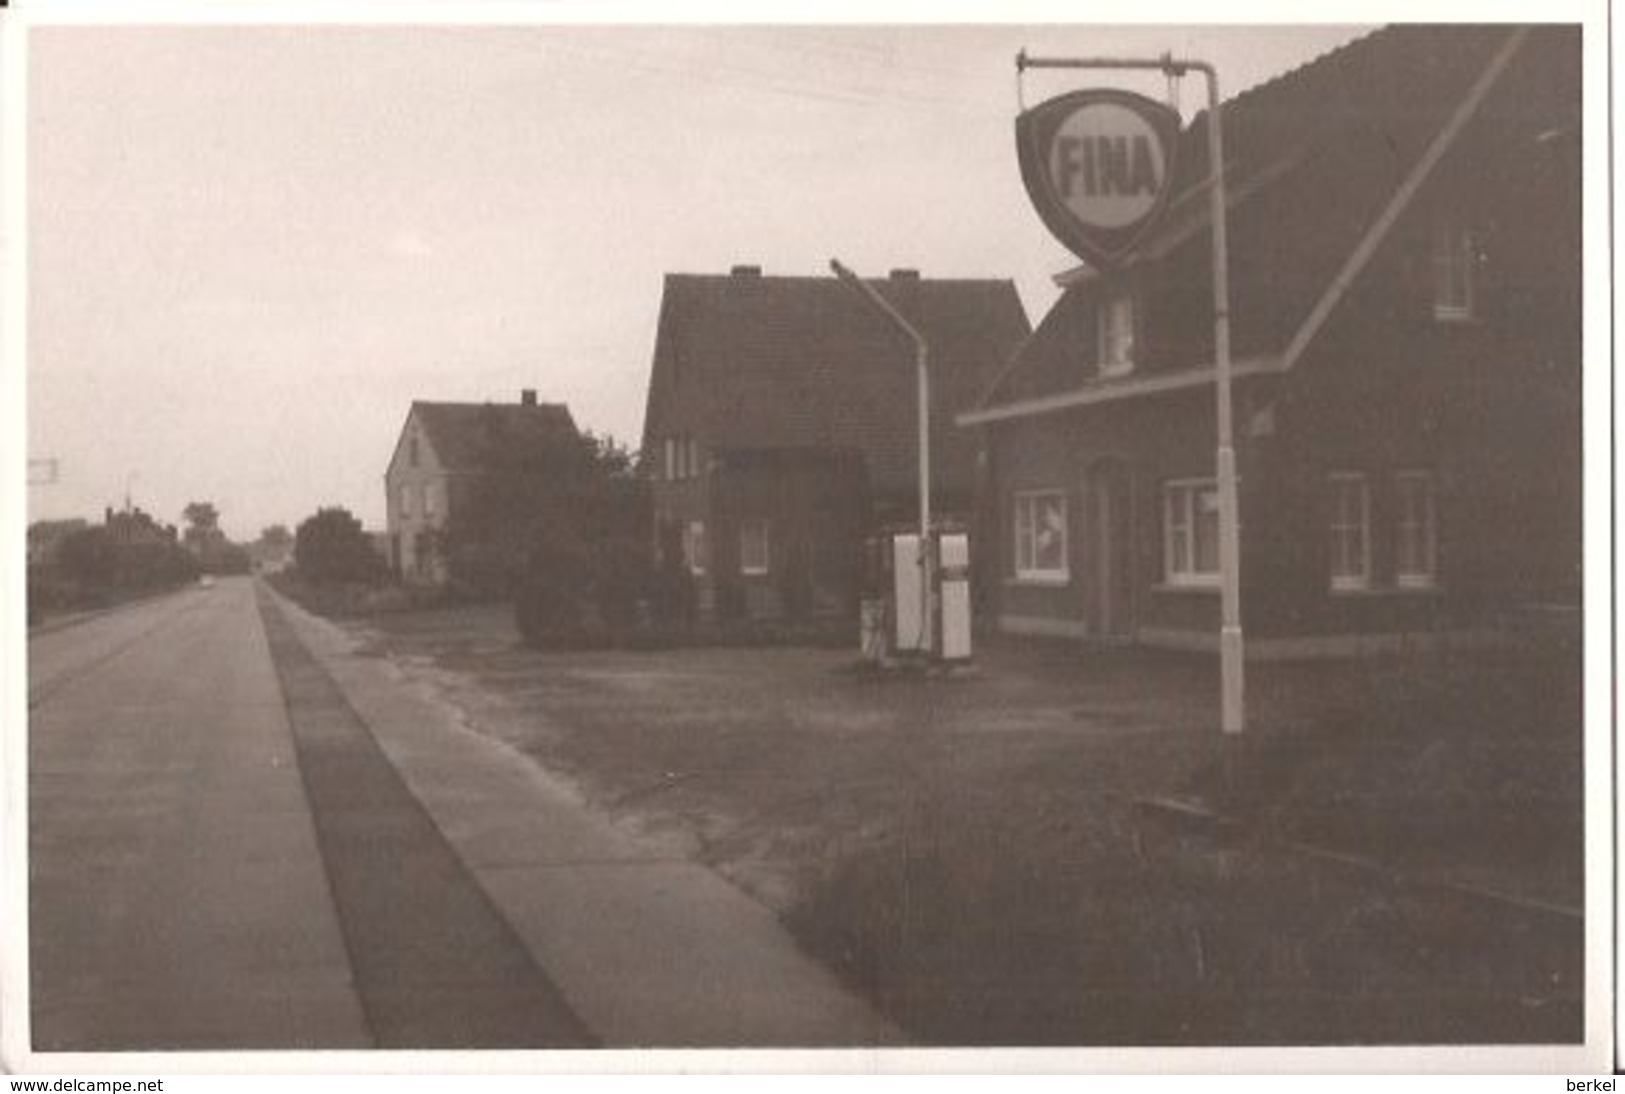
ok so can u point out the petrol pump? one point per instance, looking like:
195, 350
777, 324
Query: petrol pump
917, 603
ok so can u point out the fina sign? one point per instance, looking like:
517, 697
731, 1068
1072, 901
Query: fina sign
1099, 168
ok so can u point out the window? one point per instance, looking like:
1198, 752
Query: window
1454, 258
1190, 532
1115, 341
753, 546
670, 465
427, 490
406, 499
694, 546
1350, 532
1414, 556
412, 450
1041, 535
693, 457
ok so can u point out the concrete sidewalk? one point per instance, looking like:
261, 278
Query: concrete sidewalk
650, 949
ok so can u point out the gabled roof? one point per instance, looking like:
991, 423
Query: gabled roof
1374, 116
1393, 83
746, 361
471, 436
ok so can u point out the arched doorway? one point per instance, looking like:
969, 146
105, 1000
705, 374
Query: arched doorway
1109, 568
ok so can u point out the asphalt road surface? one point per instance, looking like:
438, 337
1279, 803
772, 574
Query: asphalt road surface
246, 834
191, 889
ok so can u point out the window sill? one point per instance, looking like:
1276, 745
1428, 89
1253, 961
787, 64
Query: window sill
1188, 587
1456, 319
1379, 591
1045, 581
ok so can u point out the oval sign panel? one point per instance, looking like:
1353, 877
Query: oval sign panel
1099, 168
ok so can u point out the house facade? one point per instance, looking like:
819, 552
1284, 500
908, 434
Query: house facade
444, 452
781, 427
1404, 228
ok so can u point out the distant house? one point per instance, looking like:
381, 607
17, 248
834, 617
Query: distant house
1405, 245
46, 536
781, 424
443, 454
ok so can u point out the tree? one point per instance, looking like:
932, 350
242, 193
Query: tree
201, 517
276, 536
203, 536
332, 547
555, 496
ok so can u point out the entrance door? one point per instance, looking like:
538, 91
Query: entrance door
1111, 569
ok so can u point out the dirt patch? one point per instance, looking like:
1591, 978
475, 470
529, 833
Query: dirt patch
966, 851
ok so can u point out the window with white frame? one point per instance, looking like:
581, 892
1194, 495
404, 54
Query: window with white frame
1041, 535
669, 466
1115, 335
1414, 556
1350, 528
694, 546
1190, 532
753, 546
1454, 258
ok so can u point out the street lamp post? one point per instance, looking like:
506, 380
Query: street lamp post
1231, 645
922, 356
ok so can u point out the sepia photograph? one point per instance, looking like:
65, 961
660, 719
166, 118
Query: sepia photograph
604, 538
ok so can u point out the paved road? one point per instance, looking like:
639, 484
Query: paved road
177, 899
245, 835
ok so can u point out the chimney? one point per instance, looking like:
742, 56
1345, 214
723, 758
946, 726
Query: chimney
905, 275
527, 396
745, 271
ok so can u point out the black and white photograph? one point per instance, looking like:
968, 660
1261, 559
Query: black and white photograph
605, 542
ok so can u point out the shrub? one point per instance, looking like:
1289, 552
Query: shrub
331, 547
620, 581
87, 557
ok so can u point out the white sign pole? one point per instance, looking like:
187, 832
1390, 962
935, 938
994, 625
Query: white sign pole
1231, 645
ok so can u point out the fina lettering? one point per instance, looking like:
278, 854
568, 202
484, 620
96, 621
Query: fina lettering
1105, 166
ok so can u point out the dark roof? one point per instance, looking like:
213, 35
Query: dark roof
468, 436
746, 361
1342, 131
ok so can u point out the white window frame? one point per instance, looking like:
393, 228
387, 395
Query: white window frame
1114, 347
1424, 528
1454, 260
1025, 506
428, 499
1341, 523
1179, 521
694, 547
760, 546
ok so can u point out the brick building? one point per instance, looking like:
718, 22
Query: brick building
781, 424
1404, 221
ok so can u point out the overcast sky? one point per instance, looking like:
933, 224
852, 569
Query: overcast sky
252, 248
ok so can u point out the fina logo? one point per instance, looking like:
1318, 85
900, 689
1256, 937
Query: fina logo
1098, 166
